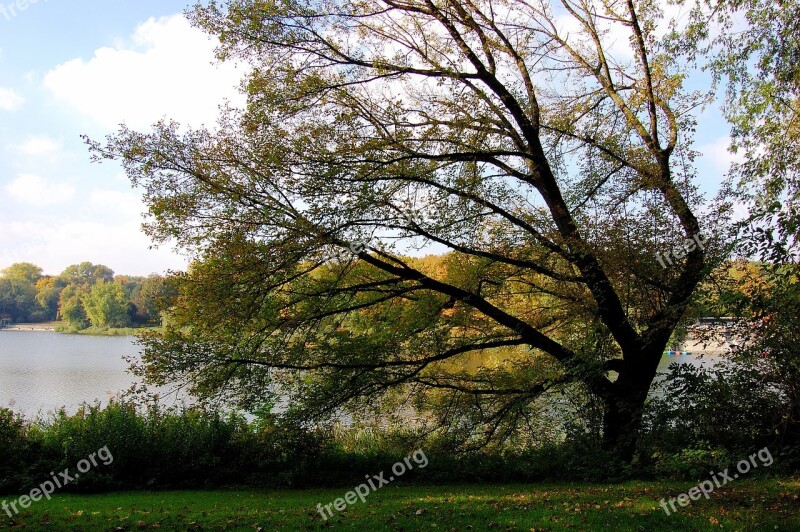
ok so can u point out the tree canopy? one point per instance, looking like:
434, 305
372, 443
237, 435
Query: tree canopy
18, 292
544, 146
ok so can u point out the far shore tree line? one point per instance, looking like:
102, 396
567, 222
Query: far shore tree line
83, 295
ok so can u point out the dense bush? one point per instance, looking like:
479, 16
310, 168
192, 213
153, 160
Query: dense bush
690, 463
729, 404
14, 454
157, 449
708, 418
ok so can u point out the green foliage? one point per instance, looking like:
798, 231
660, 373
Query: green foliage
48, 291
154, 297
691, 463
160, 449
762, 103
82, 295
774, 345
18, 293
107, 305
15, 455
153, 448
87, 274
71, 307
747, 401
23, 273
732, 405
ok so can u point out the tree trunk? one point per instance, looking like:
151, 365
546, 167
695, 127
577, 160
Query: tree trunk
622, 421
624, 406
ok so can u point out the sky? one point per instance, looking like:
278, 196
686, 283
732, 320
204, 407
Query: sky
70, 68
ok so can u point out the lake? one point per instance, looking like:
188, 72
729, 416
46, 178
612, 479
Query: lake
44, 371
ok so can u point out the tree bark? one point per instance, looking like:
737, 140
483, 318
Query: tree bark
622, 419
624, 406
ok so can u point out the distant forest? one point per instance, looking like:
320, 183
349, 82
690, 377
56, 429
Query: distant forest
84, 295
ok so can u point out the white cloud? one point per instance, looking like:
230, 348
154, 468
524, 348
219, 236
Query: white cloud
55, 246
165, 71
105, 228
10, 100
717, 154
34, 190
117, 202
39, 146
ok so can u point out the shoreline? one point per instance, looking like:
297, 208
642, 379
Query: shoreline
38, 327
63, 328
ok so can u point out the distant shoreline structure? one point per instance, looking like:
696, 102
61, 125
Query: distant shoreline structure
40, 327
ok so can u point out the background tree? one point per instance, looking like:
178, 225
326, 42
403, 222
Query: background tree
70, 307
78, 280
157, 294
27, 295
527, 139
7, 301
756, 54
23, 273
86, 274
18, 293
132, 287
107, 305
48, 290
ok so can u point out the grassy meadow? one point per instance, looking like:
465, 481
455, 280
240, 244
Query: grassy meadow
744, 505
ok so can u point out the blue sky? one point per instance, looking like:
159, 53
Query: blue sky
72, 67
81, 67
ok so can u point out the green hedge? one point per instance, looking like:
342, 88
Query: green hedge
155, 449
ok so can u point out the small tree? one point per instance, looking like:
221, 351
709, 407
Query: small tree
48, 291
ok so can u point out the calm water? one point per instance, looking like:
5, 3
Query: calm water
44, 371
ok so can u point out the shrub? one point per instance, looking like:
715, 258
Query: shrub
15, 454
728, 404
692, 463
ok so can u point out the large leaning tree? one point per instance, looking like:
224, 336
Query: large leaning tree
544, 145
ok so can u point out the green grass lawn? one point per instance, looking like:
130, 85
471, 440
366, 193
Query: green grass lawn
743, 505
